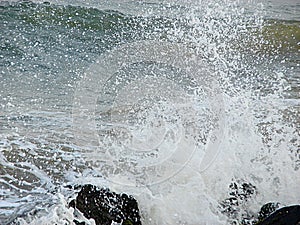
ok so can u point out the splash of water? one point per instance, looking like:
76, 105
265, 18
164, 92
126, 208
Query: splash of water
155, 117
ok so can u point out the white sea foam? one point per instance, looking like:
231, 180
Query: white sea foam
259, 142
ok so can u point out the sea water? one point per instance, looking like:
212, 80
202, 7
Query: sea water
173, 102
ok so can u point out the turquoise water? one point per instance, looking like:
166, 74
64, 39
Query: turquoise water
244, 93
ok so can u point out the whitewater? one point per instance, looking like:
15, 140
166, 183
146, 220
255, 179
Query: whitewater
177, 103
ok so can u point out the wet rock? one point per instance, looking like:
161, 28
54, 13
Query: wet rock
239, 193
106, 207
235, 207
285, 216
267, 209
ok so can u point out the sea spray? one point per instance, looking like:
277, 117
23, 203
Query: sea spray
260, 116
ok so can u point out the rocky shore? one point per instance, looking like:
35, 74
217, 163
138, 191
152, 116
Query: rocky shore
107, 207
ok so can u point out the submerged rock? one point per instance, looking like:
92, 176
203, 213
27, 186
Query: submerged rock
106, 207
235, 207
267, 209
240, 193
285, 216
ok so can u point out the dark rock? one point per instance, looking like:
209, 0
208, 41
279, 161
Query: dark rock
266, 210
239, 193
235, 208
285, 216
106, 207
